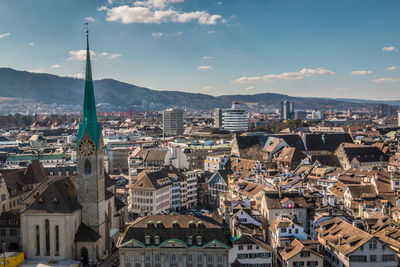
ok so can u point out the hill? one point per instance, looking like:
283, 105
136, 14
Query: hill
48, 88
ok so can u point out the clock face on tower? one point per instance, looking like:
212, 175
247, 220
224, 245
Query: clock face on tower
86, 147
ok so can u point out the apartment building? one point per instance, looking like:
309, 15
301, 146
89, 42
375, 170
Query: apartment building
347, 245
151, 193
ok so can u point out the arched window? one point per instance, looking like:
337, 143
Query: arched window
88, 167
57, 241
37, 240
47, 231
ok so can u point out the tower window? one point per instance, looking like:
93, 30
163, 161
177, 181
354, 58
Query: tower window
88, 167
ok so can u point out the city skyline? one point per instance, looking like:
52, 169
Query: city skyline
341, 49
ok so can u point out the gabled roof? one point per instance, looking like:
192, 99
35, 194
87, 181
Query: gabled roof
86, 234
152, 180
328, 141
342, 235
364, 153
54, 195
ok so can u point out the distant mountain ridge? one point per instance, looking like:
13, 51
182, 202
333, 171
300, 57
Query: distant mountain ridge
49, 88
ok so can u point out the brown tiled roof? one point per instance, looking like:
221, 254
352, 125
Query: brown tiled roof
273, 201
342, 235
155, 155
359, 191
18, 179
152, 180
296, 246
290, 155
390, 236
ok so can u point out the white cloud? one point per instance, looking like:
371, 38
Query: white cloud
156, 11
79, 54
389, 49
207, 88
31, 44
249, 88
204, 68
385, 80
211, 32
391, 68
56, 66
156, 3
157, 34
360, 72
219, 3
91, 19
207, 57
340, 89
109, 56
178, 33
4, 35
287, 76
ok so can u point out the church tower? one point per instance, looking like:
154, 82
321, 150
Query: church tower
90, 161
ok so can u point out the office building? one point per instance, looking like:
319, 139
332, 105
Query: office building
218, 118
235, 119
173, 122
287, 110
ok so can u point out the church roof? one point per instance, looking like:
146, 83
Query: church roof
89, 119
54, 195
86, 234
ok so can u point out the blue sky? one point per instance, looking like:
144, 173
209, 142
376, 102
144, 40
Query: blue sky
337, 48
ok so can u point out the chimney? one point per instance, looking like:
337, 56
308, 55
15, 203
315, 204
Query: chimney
279, 191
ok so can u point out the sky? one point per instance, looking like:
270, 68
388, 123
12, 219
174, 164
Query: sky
332, 48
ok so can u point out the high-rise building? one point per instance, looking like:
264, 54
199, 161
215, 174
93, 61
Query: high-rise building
235, 119
173, 122
287, 110
218, 118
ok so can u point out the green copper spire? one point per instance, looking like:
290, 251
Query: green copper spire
89, 119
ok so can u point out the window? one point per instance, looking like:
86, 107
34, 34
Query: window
3, 232
373, 244
88, 168
305, 254
372, 258
240, 247
298, 263
390, 257
357, 258
249, 247
13, 232
283, 230
219, 259
157, 257
209, 258
47, 232
37, 240
3, 197
190, 257
296, 231
199, 257
312, 263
